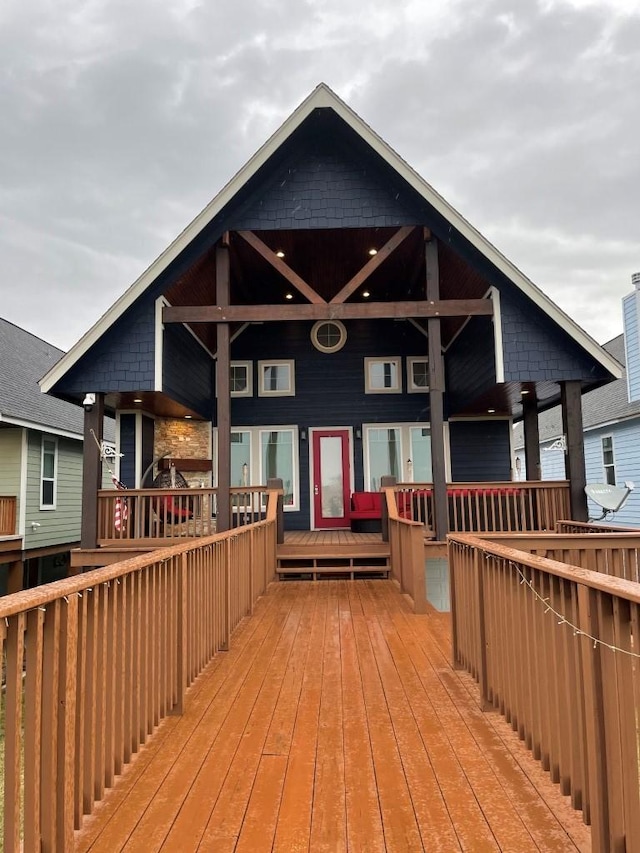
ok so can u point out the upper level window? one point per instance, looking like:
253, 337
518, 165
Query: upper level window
417, 375
241, 379
328, 335
48, 472
608, 461
276, 378
382, 376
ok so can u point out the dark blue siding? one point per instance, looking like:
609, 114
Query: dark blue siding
470, 364
329, 387
480, 451
187, 370
122, 360
128, 450
536, 349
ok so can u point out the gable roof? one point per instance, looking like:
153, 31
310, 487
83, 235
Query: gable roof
604, 405
24, 358
324, 97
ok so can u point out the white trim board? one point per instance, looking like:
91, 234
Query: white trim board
323, 97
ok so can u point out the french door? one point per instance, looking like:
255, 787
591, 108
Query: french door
331, 478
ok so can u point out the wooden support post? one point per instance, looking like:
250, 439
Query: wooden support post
574, 455
385, 482
531, 437
15, 579
91, 472
436, 398
182, 635
276, 483
223, 419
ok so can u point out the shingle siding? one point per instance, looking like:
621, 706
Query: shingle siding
470, 363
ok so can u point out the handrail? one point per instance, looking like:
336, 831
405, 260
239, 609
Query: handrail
97, 660
7, 515
554, 648
406, 545
505, 506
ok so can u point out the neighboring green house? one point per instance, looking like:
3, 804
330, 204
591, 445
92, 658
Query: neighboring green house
40, 465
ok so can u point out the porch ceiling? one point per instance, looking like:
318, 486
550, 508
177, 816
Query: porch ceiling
153, 402
327, 259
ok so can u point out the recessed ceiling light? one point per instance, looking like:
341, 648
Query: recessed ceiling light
373, 252
523, 392
280, 254
137, 400
288, 296
366, 294
491, 411
188, 417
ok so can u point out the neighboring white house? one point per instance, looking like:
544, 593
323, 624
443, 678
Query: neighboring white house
40, 465
611, 419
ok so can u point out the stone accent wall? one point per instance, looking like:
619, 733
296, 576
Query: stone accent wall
184, 439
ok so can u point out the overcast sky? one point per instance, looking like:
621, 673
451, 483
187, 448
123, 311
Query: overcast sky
121, 119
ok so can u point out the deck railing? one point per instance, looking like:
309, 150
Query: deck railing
7, 515
93, 663
555, 649
479, 507
406, 545
565, 526
157, 515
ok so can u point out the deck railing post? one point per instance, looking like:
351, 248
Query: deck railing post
478, 571
65, 782
276, 483
385, 482
418, 568
453, 560
181, 635
226, 598
597, 813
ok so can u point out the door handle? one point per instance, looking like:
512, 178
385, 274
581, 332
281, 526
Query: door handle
315, 490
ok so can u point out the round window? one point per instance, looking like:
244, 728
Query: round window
328, 335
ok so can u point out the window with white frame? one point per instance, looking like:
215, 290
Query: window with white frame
421, 455
382, 375
241, 458
383, 449
608, 462
48, 472
417, 374
240, 379
277, 378
279, 459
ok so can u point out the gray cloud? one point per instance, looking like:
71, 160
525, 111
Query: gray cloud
122, 120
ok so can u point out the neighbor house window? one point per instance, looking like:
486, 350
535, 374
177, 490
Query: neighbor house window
382, 375
417, 375
240, 379
48, 473
384, 455
276, 378
607, 460
277, 459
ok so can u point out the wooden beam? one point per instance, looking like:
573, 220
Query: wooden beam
223, 395
436, 396
91, 472
284, 269
327, 311
575, 469
531, 437
371, 265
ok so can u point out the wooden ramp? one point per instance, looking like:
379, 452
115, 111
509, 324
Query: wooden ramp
334, 723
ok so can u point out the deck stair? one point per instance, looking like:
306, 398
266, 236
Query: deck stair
313, 555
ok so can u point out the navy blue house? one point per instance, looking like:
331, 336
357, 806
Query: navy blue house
334, 320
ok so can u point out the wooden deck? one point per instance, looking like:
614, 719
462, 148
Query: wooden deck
334, 723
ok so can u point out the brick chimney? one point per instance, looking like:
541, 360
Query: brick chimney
631, 325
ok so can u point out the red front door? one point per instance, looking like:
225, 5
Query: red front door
331, 478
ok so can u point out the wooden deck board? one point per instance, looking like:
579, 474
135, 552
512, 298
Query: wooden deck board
335, 722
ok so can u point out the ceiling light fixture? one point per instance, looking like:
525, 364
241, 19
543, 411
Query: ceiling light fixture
366, 294
524, 392
188, 417
137, 400
280, 254
288, 296
491, 411
373, 252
